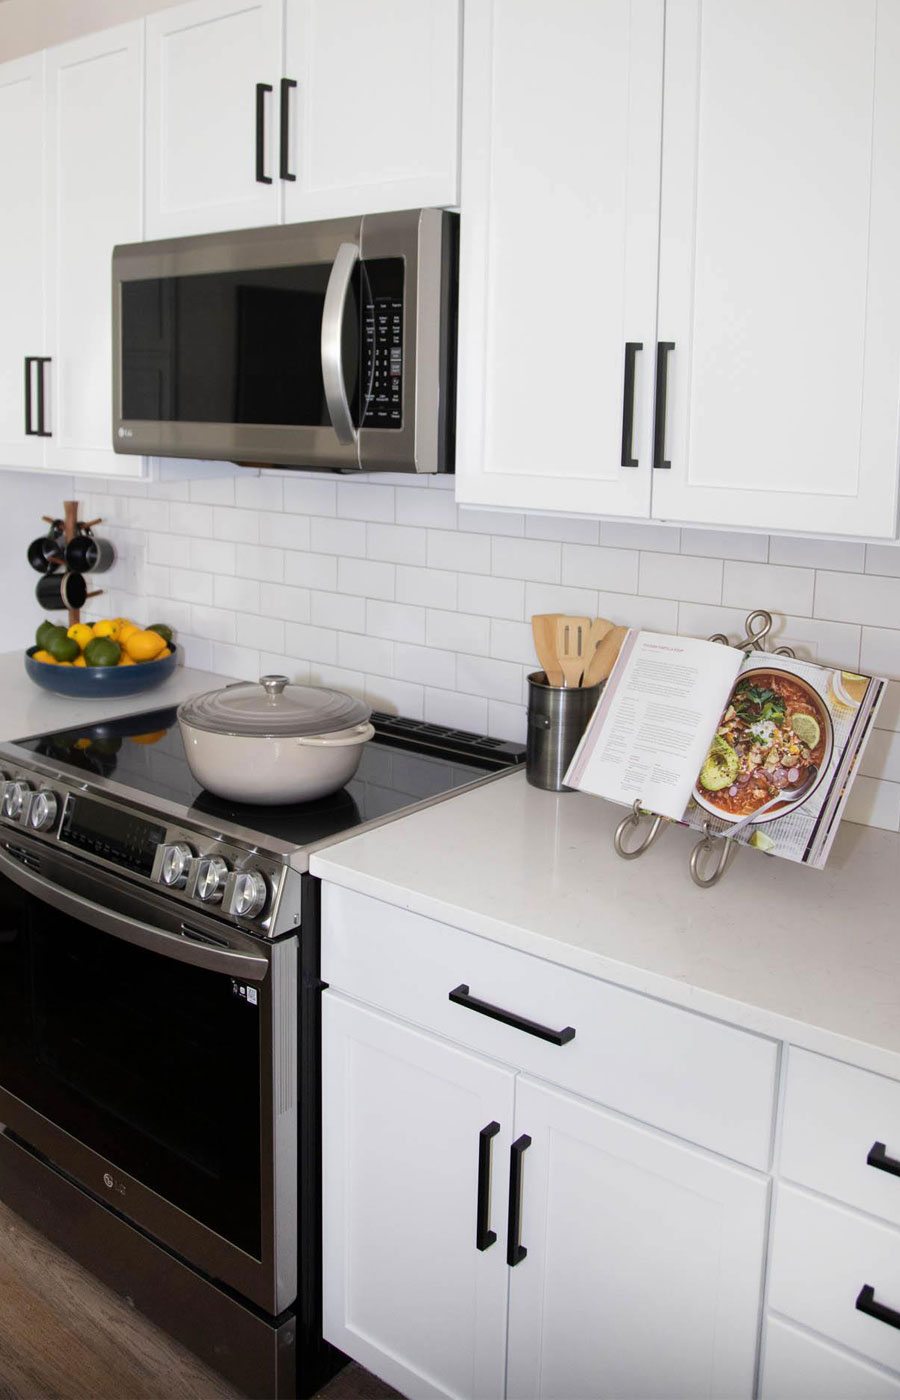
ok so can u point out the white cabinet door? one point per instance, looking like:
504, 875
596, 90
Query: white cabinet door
374, 117
407, 1292
644, 1261
205, 63
558, 259
94, 183
778, 284
21, 253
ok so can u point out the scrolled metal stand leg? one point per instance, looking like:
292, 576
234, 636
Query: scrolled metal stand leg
631, 823
708, 843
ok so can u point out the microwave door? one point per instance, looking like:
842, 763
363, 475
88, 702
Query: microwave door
333, 322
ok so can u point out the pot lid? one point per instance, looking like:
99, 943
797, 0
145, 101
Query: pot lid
273, 708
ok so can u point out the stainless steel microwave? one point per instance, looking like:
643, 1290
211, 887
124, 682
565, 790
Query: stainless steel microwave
328, 344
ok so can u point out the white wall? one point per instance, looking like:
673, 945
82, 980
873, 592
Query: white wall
24, 499
29, 25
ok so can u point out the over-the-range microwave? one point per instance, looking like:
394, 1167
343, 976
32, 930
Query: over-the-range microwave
328, 344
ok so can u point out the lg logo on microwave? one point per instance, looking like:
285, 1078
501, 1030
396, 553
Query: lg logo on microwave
113, 1185
126, 432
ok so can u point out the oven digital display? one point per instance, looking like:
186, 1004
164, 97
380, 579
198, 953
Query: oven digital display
111, 833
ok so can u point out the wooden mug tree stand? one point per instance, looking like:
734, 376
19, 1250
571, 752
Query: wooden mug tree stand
70, 522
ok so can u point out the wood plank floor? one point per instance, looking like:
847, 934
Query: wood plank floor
65, 1336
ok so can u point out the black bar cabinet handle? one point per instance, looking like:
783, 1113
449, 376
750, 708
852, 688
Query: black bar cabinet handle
659, 427
865, 1303
631, 349
461, 996
879, 1159
29, 431
484, 1235
261, 177
284, 169
40, 361
515, 1251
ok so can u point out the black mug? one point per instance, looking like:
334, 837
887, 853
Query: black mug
45, 555
55, 592
85, 554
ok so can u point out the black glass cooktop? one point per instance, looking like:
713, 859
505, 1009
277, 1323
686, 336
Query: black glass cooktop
407, 762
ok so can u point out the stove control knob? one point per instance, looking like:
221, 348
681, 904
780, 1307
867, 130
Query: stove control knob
15, 795
209, 879
43, 810
246, 894
174, 865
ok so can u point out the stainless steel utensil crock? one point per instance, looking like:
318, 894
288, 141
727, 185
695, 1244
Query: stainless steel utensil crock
557, 718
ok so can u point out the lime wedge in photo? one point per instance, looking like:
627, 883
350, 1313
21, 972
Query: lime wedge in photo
761, 841
806, 729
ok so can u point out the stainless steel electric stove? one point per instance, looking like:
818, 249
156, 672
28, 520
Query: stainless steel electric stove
159, 1023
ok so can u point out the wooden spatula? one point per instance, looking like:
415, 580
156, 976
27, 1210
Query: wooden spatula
599, 628
571, 643
604, 657
543, 626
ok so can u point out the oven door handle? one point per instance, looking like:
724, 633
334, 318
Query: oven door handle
336, 294
183, 947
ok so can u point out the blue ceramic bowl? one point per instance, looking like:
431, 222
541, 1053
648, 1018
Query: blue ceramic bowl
87, 682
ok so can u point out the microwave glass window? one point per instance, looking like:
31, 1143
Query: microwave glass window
233, 347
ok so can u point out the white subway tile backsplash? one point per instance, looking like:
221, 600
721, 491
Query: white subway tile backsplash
513, 641
239, 594
459, 632
599, 566
190, 519
685, 577
725, 544
283, 531
191, 586
864, 598
817, 554
370, 655
398, 544
310, 643
630, 610
275, 664
216, 556
357, 500
491, 597
426, 665
309, 496
264, 491
460, 550
874, 803
400, 622
459, 711
257, 561
568, 529
217, 624
497, 680
311, 570
491, 522
338, 611
539, 561
395, 697
240, 526
776, 587
622, 534
436, 509
214, 491
430, 588
883, 559
506, 721
367, 578
266, 633
242, 662
555, 597
290, 604
881, 758
328, 536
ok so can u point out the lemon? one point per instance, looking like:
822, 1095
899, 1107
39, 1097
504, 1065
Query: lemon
125, 660
166, 651
144, 646
806, 728
79, 661
47, 659
81, 632
126, 628
106, 628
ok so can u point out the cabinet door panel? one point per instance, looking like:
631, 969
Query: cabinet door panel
779, 227
406, 1291
204, 60
644, 1265
799, 1365
94, 184
558, 257
21, 250
374, 119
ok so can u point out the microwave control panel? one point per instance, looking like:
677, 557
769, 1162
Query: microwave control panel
382, 343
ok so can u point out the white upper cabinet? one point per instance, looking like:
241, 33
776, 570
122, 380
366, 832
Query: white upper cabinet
212, 89
93, 200
373, 121
559, 228
778, 283
21, 257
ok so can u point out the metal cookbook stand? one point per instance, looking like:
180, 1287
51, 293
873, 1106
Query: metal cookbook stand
704, 871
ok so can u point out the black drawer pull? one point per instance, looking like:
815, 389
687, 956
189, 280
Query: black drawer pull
261, 177
865, 1303
516, 1252
879, 1159
284, 149
461, 996
484, 1235
662, 387
41, 429
631, 349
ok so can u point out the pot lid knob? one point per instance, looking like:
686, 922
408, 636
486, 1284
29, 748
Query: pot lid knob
273, 686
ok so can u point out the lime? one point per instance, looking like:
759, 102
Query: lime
806, 729
761, 841
102, 651
47, 630
163, 629
64, 648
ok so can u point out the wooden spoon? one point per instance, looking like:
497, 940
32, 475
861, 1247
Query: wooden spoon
571, 646
543, 626
599, 628
605, 656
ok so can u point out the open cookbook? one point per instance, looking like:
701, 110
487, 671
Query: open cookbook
763, 747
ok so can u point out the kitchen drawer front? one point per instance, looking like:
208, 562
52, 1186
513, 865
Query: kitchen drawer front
799, 1366
697, 1078
824, 1254
834, 1116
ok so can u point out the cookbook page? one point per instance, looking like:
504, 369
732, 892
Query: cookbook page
654, 721
787, 748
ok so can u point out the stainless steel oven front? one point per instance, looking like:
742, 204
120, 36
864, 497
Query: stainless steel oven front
149, 1052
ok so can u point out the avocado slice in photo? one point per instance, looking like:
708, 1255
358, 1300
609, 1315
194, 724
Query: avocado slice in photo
720, 767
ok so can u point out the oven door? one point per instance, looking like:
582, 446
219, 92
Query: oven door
151, 1055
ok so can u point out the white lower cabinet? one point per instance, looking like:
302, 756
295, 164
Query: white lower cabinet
631, 1262
800, 1366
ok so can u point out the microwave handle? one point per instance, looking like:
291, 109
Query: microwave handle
332, 329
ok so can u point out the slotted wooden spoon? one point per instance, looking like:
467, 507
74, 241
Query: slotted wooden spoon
599, 628
571, 645
605, 656
543, 627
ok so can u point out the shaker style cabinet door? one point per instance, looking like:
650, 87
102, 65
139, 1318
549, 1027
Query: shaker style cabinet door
93, 184
369, 112
213, 69
21, 257
410, 1134
558, 258
778, 286
643, 1263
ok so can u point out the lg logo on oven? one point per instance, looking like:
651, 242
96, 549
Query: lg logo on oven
113, 1185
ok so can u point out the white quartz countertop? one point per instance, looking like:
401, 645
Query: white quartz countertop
809, 956
26, 709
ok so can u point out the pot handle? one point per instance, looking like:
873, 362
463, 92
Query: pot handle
359, 735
